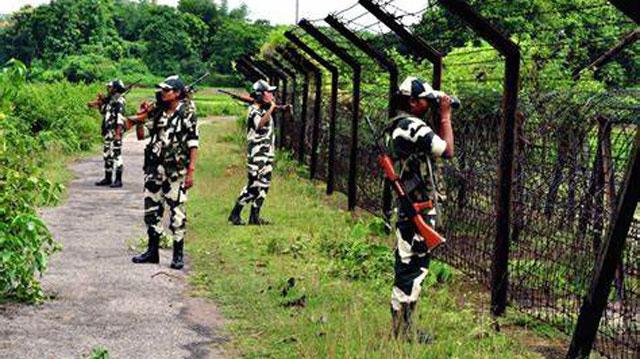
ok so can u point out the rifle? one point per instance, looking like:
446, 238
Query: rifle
243, 98
101, 98
191, 88
249, 100
432, 238
130, 87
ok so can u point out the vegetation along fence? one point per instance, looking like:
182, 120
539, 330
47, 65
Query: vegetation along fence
539, 201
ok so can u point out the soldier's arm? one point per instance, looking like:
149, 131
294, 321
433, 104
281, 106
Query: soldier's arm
446, 129
267, 116
193, 141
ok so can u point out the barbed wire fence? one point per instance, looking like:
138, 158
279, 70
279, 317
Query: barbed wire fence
529, 215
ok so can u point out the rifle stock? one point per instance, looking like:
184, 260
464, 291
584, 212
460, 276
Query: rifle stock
432, 238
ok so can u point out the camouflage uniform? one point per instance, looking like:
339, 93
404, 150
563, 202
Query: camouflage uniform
113, 112
166, 162
260, 154
413, 142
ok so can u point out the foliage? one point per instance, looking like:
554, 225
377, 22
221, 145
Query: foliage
566, 32
99, 352
56, 115
88, 40
232, 32
25, 242
37, 121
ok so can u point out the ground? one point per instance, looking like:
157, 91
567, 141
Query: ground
316, 284
97, 296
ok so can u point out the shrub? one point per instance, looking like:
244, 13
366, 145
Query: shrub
56, 114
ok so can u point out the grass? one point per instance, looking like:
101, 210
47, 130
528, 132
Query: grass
316, 284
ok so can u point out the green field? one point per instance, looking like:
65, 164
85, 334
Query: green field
339, 304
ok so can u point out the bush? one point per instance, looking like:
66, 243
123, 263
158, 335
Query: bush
33, 119
25, 242
88, 68
56, 114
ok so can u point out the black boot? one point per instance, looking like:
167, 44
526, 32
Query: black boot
151, 255
234, 217
178, 258
106, 181
118, 181
254, 217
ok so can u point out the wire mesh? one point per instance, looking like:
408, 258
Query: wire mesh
572, 149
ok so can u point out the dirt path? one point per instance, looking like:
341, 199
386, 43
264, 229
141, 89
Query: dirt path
100, 297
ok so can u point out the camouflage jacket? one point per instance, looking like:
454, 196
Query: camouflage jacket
260, 141
171, 138
113, 111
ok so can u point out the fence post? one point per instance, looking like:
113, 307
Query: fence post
596, 300
357, 70
421, 50
253, 73
305, 98
245, 72
277, 78
511, 52
249, 63
317, 103
416, 45
332, 107
388, 64
279, 65
271, 76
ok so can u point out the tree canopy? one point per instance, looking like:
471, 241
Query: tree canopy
186, 39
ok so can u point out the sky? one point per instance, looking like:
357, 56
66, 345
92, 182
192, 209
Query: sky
276, 11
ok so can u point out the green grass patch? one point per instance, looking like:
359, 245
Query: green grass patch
316, 284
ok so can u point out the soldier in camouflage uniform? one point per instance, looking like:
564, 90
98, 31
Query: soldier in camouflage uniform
260, 153
414, 144
112, 108
169, 165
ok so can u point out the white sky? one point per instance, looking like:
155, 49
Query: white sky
276, 11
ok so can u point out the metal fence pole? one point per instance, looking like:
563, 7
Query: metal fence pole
596, 300
415, 44
357, 70
317, 104
332, 106
305, 98
292, 74
511, 52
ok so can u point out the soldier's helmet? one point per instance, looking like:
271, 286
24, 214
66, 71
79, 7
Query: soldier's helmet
260, 87
172, 83
416, 88
117, 86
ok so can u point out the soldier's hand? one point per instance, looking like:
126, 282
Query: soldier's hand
188, 181
445, 103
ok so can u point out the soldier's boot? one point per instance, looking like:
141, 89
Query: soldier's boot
410, 333
234, 217
396, 322
178, 258
118, 181
254, 217
106, 181
151, 255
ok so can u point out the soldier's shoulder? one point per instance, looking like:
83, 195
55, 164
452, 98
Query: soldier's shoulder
408, 121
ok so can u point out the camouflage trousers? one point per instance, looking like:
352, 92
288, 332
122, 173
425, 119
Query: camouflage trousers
258, 182
411, 265
112, 153
161, 191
